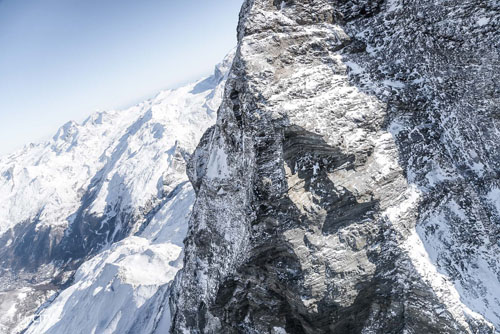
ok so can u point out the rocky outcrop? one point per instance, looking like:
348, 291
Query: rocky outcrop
350, 184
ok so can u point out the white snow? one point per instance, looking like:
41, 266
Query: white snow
394, 83
279, 330
9, 306
482, 21
424, 258
385, 161
316, 168
110, 289
217, 166
437, 175
478, 168
463, 301
408, 200
393, 5
131, 158
494, 197
442, 286
355, 68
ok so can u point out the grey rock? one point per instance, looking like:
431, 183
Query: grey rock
351, 182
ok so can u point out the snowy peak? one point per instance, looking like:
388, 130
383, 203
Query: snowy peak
106, 141
94, 184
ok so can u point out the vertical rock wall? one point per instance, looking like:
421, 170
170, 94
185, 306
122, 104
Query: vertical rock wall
350, 184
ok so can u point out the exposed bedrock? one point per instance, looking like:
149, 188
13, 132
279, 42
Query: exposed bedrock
350, 184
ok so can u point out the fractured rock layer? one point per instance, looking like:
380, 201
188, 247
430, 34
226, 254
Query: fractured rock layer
350, 184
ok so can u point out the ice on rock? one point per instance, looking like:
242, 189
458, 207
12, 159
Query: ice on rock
360, 193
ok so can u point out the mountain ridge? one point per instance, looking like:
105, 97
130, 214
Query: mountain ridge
87, 192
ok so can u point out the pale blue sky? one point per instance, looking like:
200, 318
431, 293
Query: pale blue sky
61, 60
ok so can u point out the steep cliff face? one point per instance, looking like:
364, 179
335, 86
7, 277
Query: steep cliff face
351, 183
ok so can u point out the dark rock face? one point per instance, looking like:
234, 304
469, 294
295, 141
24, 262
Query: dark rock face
351, 182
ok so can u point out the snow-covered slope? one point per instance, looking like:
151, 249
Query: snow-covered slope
124, 289
118, 174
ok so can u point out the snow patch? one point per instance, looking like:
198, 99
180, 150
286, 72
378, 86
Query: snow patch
394, 83
217, 166
494, 197
279, 330
483, 21
355, 68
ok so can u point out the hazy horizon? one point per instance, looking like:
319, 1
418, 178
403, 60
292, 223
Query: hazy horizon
66, 59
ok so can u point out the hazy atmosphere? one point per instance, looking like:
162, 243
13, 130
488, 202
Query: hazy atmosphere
64, 59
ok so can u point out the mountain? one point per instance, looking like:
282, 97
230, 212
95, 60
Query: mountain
93, 220
351, 182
